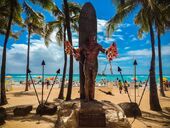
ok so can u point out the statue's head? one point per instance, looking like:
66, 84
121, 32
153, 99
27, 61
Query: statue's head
92, 37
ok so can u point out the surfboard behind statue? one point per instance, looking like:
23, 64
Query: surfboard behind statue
87, 25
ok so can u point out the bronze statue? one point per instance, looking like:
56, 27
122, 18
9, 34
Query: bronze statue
90, 53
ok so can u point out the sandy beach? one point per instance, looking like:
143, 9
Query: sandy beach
18, 97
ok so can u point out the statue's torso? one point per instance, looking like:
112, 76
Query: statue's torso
91, 52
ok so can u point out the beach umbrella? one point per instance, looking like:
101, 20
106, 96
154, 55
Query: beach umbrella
47, 79
8, 76
165, 79
134, 79
39, 77
51, 78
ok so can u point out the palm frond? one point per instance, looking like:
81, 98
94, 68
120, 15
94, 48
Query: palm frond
30, 12
122, 12
74, 8
34, 20
50, 27
59, 35
56, 11
17, 15
46, 4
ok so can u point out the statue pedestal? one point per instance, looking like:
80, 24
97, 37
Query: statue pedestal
91, 114
94, 114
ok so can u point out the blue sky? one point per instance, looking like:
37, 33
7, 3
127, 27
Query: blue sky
125, 35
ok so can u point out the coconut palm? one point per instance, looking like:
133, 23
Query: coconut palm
35, 23
148, 17
60, 24
12, 14
3, 28
161, 18
69, 34
165, 8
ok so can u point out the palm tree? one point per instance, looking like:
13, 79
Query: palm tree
69, 34
160, 13
60, 24
160, 65
11, 10
35, 24
147, 16
161, 26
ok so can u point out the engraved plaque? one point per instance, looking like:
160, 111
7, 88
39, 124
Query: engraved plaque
92, 119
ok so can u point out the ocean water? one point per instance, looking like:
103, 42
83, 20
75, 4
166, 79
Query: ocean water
129, 78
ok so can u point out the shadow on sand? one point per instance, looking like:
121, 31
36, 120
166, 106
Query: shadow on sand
158, 118
32, 117
24, 93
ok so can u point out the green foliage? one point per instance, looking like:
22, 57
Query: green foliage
5, 8
158, 13
46, 4
59, 24
34, 20
123, 10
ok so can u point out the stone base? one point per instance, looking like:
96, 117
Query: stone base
131, 109
91, 114
2, 115
94, 114
22, 110
47, 109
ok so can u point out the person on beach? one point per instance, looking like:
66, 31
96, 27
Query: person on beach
120, 86
29, 84
140, 83
116, 82
48, 83
126, 87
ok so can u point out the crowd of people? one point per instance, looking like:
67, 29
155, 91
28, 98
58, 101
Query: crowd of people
123, 86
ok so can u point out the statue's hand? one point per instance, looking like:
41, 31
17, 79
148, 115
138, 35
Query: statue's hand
106, 52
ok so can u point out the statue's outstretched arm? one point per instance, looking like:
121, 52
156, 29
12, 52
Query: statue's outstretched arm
102, 49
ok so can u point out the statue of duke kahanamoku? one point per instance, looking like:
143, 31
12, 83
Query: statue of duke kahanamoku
90, 66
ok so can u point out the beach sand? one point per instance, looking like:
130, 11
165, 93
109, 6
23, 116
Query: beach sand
18, 97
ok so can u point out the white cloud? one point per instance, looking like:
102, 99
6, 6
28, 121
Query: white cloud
147, 52
118, 36
124, 25
119, 30
166, 50
123, 58
126, 48
16, 57
148, 42
134, 39
101, 25
54, 57
143, 52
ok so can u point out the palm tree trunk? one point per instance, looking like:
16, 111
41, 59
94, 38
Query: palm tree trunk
61, 94
154, 101
66, 11
160, 66
28, 58
3, 99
